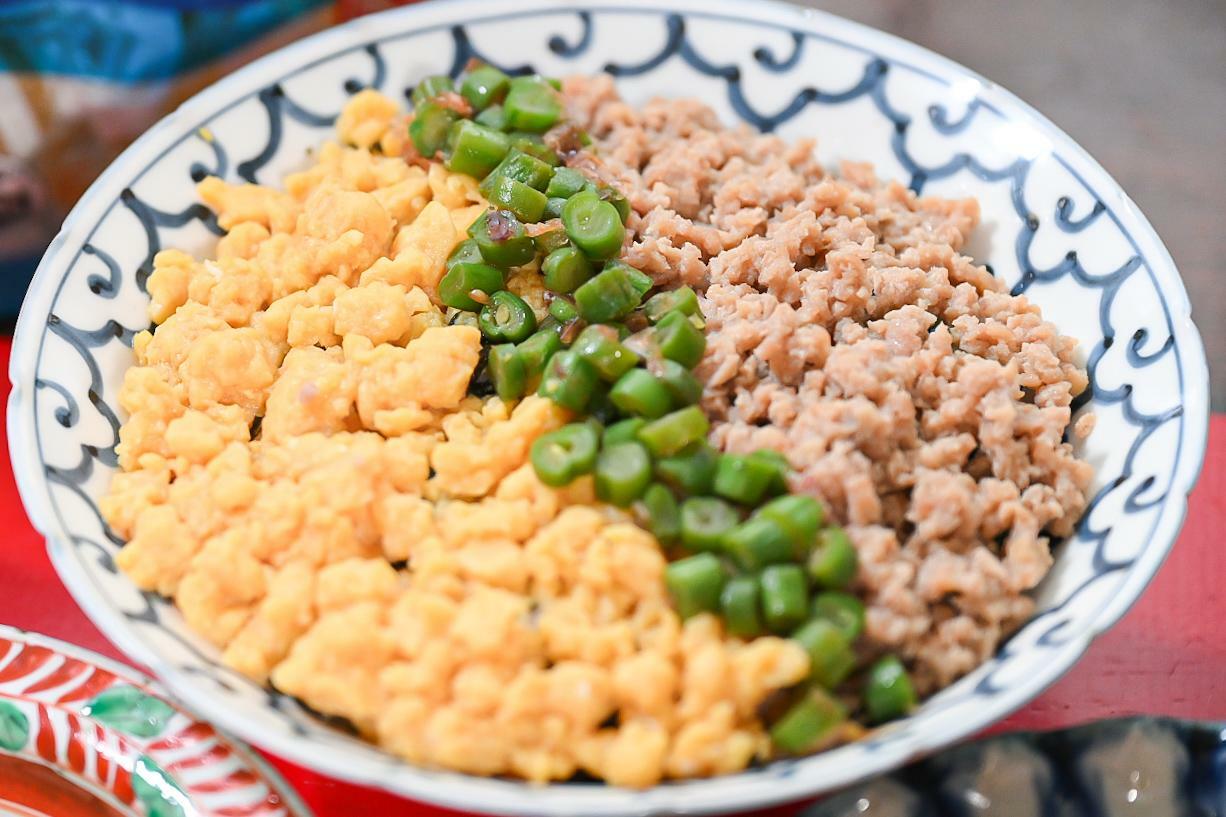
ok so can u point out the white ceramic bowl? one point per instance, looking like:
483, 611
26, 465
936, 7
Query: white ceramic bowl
1055, 225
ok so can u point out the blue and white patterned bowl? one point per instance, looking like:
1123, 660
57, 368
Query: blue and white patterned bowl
1055, 226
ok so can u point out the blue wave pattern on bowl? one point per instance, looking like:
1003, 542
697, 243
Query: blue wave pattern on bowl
953, 142
1107, 769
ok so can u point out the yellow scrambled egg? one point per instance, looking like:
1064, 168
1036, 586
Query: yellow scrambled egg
304, 472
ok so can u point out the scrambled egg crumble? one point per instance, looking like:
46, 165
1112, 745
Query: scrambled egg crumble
304, 472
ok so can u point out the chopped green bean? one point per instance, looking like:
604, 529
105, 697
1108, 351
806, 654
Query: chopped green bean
690, 472
758, 542
641, 393
566, 269
593, 225
562, 310
506, 369
483, 86
623, 431
843, 610
429, 128
695, 584
431, 87
532, 105
533, 145
705, 521
522, 168
456, 287
466, 252
492, 117
566, 182
623, 472
553, 206
810, 724
801, 516
611, 294
785, 596
568, 380
475, 149
682, 299
741, 478
527, 204
501, 238
680, 340
536, 351
562, 455
780, 468
599, 345
830, 657
832, 564
739, 606
888, 693
675, 431
614, 196
507, 318
685, 388
663, 513
550, 240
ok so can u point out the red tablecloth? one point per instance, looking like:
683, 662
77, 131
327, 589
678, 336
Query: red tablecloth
1165, 657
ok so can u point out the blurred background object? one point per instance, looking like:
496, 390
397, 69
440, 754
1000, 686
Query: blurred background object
81, 79
1139, 84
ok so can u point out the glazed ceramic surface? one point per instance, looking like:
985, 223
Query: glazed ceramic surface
82, 736
1055, 227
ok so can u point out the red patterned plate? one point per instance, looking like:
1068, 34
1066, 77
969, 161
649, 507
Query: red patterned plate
82, 736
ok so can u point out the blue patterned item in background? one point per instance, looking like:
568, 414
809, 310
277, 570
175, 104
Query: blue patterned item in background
79, 79
1141, 766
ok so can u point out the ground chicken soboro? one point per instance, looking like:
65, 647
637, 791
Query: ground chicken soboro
527, 617
924, 404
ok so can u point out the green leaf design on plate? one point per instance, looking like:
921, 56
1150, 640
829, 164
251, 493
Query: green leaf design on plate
158, 793
130, 710
14, 727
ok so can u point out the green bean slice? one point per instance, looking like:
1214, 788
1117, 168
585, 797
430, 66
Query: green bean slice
695, 584
457, 287
506, 369
705, 521
843, 610
758, 542
598, 344
483, 86
569, 380
888, 692
561, 456
785, 597
593, 225
692, 471
641, 393
830, 657
742, 479
611, 294
506, 318
623, 472
739, 605
810, 724
675, 431
566, 269
833, 563
662, 511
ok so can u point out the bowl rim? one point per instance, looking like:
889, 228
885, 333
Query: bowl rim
684, 797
